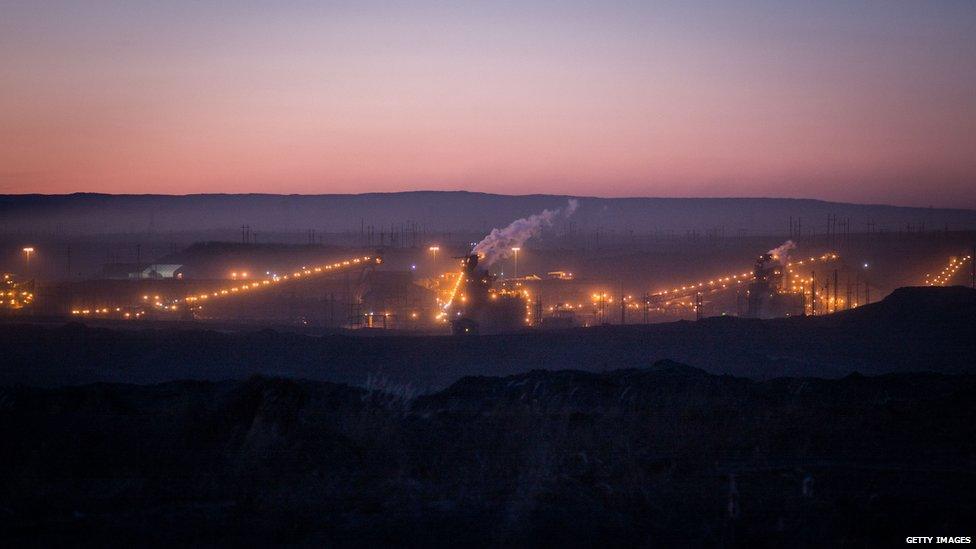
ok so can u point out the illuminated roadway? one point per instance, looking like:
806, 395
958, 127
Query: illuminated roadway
945, 276
229, 292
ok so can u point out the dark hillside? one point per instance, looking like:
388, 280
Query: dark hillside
665, 455
87, 213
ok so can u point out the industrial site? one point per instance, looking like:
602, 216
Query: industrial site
540, 272
488, 370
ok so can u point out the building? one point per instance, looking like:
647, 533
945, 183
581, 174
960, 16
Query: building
160, 270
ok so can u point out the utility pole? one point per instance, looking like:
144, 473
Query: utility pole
826, 308
332, 322
347, 297
813, 293
538, 309
698, 306
835, 290
644, 301
623, 310
847, 302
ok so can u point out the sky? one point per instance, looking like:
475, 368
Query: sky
870, 102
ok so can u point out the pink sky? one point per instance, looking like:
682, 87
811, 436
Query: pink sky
869, 104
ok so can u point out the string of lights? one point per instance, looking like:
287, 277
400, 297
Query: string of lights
14, 294
946, 274
159, 303
725, 281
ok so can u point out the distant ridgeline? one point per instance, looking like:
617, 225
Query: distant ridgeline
431, 211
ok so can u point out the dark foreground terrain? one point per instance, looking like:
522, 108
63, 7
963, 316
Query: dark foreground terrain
913, 329
664, 455
853, 429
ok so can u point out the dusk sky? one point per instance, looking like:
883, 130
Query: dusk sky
864, 102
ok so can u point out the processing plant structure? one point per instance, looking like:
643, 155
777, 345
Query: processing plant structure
481, 308
768, 294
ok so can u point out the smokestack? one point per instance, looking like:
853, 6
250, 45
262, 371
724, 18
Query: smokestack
781, 253
470, 263
499, 242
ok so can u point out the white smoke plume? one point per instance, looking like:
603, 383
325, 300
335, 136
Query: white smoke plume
499, 242
781, 253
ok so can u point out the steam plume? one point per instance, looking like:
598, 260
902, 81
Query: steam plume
782, 252
499, 242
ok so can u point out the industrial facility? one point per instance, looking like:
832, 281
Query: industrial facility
477, 307
514, 279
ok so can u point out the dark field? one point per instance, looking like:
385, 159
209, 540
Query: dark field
657, 456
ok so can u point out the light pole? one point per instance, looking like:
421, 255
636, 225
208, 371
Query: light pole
27, 254
867, 289
516, 250
433, 252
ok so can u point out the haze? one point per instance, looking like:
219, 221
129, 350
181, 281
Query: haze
874, 102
